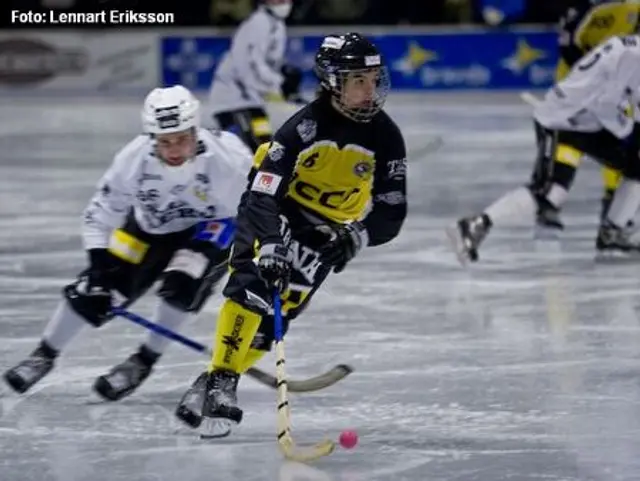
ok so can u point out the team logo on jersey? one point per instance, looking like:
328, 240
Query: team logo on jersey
276, 151
200, 193
311, 160
307, 130
362, 168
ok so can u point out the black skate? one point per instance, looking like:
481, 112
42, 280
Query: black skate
615, 242
39, 363
125, 378
605, 204
548, 222
467, 235
220, 411
189, 409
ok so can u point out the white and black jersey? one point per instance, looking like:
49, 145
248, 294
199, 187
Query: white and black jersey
600, 92
208, 188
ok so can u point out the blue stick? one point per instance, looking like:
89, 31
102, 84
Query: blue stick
277, 315
196, 346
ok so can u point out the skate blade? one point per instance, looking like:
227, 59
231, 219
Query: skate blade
215, 428
613, 257
456, 244
546, 233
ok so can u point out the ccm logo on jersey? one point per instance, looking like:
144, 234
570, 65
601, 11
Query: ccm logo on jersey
266, 183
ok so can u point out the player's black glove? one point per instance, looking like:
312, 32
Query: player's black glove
291, 83
274, 262
99, 282
343, 244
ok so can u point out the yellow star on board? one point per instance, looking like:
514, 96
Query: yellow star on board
415, 58
523, 57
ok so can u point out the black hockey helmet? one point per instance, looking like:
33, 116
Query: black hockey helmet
353, 58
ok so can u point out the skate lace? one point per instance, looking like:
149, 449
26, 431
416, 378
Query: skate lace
224, 389
31, 366
128, 373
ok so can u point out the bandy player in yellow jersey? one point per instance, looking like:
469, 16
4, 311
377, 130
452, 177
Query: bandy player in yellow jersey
331, 183
584, 26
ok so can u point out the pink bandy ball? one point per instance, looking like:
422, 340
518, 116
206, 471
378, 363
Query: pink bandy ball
348, 439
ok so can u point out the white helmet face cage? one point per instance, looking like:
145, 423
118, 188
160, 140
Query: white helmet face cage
336, 84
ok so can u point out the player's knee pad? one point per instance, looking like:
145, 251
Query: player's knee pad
83, 306
180, 290
188, 281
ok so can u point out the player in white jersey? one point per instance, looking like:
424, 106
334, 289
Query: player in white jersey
252, 71
140, 227
594, 110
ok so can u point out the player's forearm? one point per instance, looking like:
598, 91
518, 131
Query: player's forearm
99, 221
261, 215
95, 236
384, 222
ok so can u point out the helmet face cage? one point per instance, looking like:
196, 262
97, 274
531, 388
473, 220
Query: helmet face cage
352, 70
359, 103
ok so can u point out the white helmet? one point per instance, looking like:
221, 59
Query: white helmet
169, 110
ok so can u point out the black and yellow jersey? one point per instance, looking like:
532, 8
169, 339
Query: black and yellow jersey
326, 165
587, 24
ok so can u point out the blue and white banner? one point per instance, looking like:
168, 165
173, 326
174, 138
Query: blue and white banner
503, 59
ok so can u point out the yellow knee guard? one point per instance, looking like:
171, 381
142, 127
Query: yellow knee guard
611, 178
252, 357
236, 328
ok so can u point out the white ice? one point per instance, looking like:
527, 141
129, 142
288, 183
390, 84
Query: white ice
523, 368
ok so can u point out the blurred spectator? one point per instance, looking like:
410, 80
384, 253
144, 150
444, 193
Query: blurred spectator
230, 12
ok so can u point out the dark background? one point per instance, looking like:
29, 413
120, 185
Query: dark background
306, 12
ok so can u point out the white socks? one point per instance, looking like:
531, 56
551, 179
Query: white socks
625, 204
513, 206
166, 316
63, 326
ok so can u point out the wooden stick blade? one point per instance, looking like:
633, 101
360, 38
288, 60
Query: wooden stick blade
322, 381
304, 454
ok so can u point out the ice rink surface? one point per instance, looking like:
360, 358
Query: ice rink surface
523, 368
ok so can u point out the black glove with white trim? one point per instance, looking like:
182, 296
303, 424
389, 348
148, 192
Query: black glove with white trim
274, 262
343, 244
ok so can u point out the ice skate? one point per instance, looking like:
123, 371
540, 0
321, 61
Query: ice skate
548, 222
220, 412
189, 409
467, 235
615, 242
124, 378
28, 372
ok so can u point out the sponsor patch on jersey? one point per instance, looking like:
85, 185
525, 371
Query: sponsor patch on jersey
362, 168
266, 183
307, 130
392, 198
276, 151
398, 168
